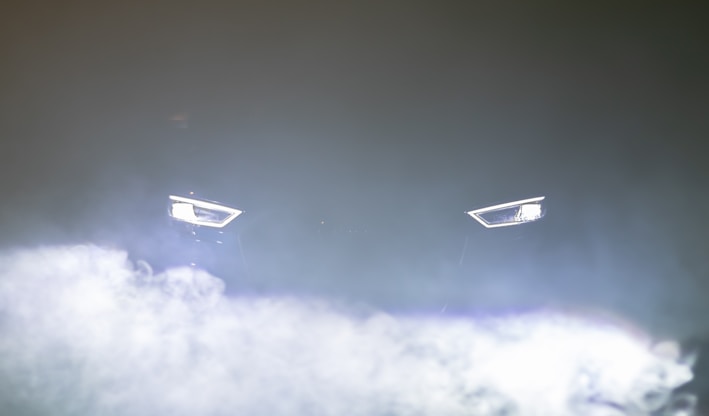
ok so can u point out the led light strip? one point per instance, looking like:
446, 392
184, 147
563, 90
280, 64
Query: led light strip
476, 214
231, 212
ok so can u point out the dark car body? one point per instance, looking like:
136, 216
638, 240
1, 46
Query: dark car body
387, 224
356, 248
380, 239
380, 232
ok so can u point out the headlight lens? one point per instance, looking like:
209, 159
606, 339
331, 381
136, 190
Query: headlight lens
511, 213
201, 212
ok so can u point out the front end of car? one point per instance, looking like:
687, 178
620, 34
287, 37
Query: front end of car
293, 248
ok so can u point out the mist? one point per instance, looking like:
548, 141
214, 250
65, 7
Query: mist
401, 113
86, 331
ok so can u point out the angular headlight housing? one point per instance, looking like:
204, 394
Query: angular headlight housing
201, 212
511, 213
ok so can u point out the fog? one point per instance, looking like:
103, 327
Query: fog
410, 110
85, 331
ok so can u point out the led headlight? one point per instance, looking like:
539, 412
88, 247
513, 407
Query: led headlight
200, 212
511, 213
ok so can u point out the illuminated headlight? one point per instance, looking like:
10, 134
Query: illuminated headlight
200, 212
511, 213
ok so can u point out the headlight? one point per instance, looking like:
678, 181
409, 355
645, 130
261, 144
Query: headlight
200, 212
511, 213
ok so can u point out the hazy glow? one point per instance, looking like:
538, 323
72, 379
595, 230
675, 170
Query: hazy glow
85, 332
183, 209
529, 210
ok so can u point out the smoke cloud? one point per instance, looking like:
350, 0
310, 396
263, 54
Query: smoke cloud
86, 331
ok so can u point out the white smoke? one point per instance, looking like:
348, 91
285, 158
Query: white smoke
84, 331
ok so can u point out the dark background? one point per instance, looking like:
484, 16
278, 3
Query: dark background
603, 103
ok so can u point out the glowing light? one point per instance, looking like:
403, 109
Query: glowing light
183, 211
200, 212
510, 213
529, 212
